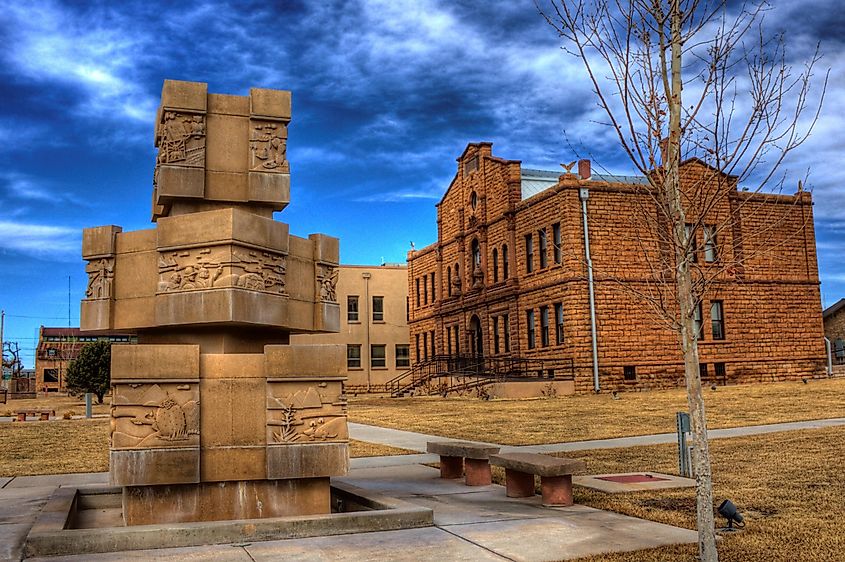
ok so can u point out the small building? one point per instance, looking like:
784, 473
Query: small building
373, 325
834, 330
57, 347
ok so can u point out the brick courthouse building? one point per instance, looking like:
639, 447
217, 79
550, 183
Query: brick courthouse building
507, 277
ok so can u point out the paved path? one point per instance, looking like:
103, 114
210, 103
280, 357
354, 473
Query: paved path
416, 441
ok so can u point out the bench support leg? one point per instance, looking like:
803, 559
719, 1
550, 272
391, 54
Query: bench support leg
478, 472
451, 467
519, 484
557, 490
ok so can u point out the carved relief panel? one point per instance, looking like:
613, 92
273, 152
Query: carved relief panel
180, 139
100, 278
268, 146
327, 282
150, 415
306, 412
220, 267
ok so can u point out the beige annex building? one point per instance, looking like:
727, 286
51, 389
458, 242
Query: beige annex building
373, 324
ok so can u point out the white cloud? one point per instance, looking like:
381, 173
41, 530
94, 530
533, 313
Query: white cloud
40, 240
55, 45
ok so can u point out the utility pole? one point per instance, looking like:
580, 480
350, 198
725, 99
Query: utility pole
68, 301
2, 323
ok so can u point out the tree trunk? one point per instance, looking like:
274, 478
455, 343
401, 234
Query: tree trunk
687, 302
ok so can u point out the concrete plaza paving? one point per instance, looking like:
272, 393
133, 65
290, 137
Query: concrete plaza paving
470, 523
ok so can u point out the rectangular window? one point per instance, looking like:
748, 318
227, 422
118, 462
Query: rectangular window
629, 372
377, 355
719, 369
529, 253
541, 234
353, 356
352, 308
432, 287
495, 265
433, 348
702, 371
417, 346
504, 262
403, 355
51, 375
698, 323
544, 326
378, 309
425, 345
425, 289
559, 323
717, 319
529, 320
457, 341
506, 331
711, 250
449, 340
691, 242
417, 283
556, 241
496, 334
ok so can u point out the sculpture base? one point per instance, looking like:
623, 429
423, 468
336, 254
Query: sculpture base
217, 501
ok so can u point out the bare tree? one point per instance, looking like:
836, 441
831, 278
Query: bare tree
680, 79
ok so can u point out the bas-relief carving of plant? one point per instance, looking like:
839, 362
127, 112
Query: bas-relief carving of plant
287, 425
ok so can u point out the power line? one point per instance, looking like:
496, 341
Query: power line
40, 317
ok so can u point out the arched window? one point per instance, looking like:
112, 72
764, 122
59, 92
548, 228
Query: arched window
504, 261
495, 265
476, 253
449, 280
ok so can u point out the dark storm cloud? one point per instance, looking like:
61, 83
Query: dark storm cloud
386, 95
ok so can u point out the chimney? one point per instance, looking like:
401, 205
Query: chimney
584, 169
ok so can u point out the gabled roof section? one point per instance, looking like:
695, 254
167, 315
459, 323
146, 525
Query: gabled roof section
831, 310
699, 161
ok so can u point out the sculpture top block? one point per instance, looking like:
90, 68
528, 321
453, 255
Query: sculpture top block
216, 149
216, 256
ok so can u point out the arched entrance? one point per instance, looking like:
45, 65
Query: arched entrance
476, 338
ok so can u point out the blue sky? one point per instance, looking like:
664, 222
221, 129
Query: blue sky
386, 94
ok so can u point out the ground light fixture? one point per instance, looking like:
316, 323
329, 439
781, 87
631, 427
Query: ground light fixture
729, 511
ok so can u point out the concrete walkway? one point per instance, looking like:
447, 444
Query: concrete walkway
417, 441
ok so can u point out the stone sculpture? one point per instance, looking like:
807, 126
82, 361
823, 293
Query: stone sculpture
214, 416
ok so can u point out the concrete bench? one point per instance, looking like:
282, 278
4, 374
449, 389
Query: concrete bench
457, 455
44, 413
555, 476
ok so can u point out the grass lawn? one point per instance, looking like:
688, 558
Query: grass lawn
787, 485
67, 446
591, 416
61, 404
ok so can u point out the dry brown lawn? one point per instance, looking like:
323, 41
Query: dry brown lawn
582, 417
364, 449
66, 446
787, 485
54, 447
61, 404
